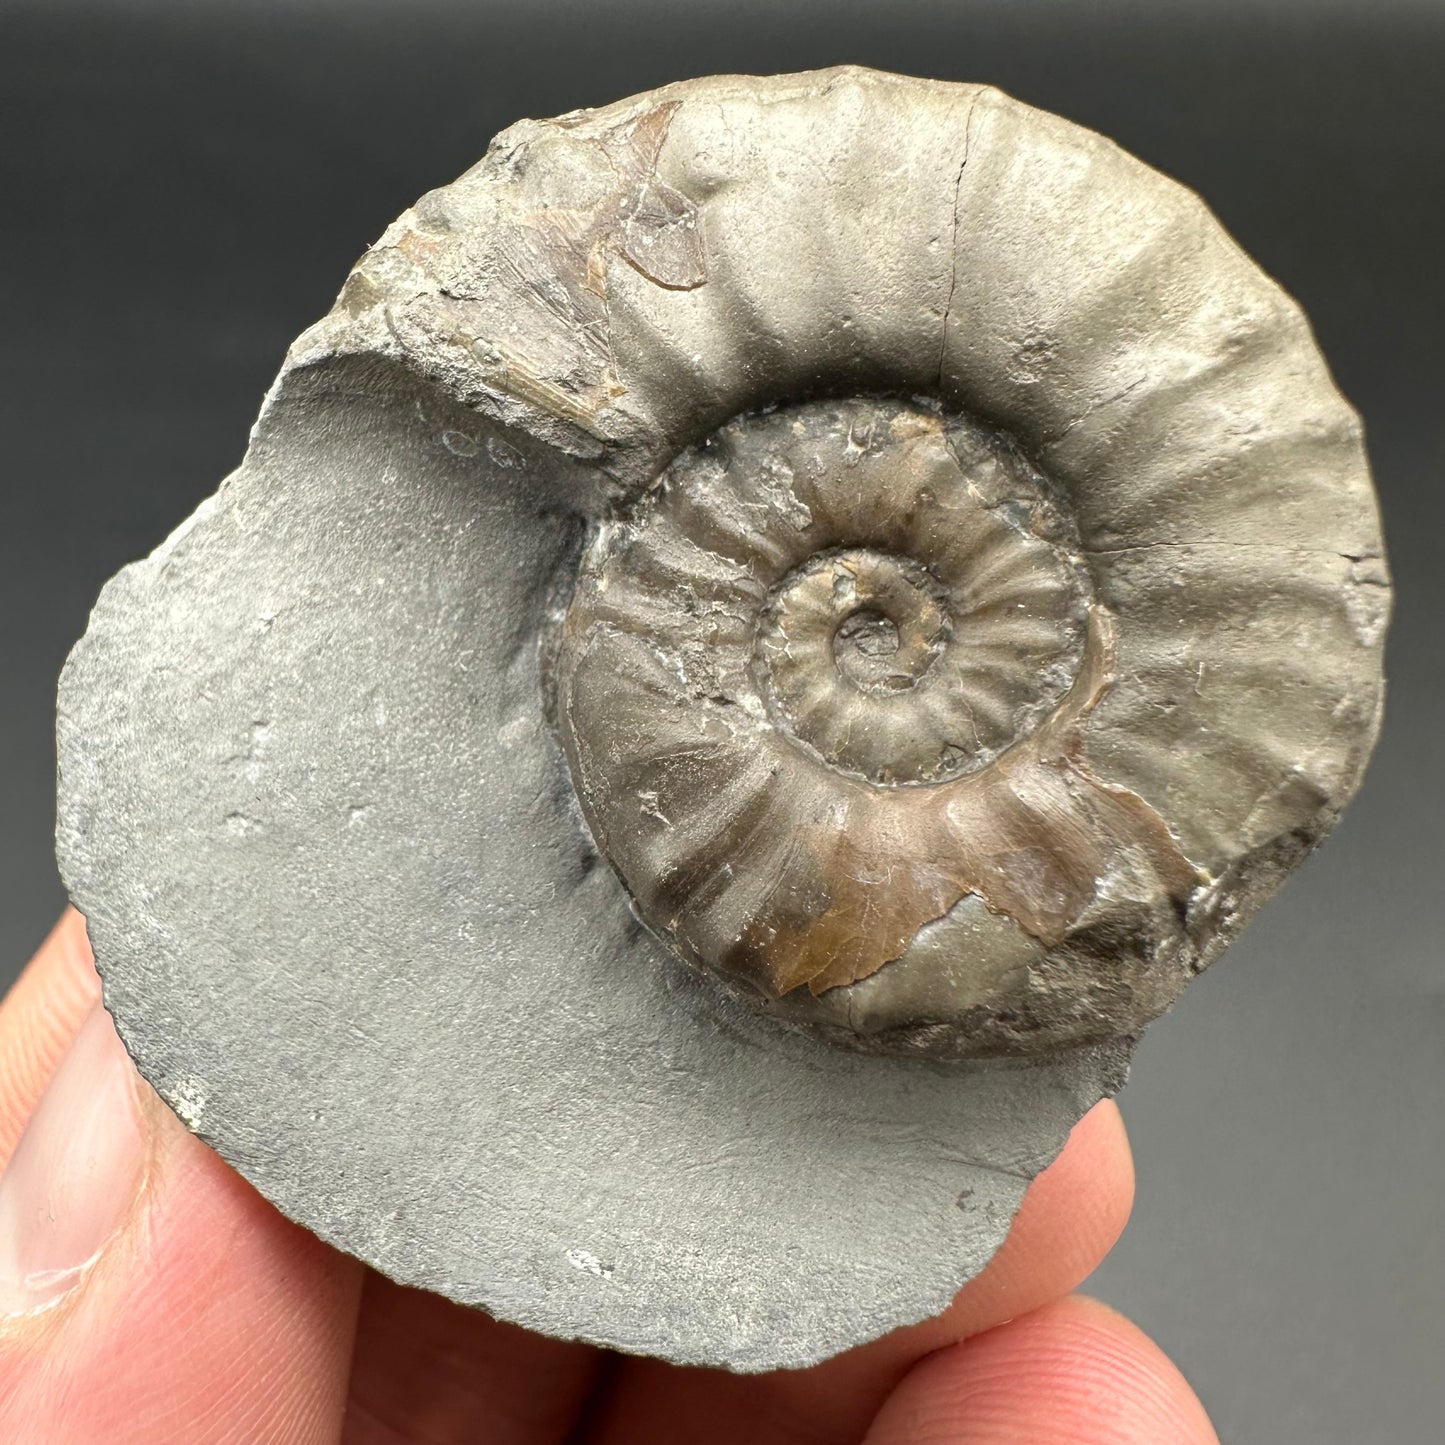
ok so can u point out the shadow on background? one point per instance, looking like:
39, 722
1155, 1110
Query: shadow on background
184, 189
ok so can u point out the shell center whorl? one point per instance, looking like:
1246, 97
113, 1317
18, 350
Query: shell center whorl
855, 622
884, 618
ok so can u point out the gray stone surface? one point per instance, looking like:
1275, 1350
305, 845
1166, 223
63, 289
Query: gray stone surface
351, 930
350, 920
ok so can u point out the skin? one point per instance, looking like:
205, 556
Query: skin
210, 1319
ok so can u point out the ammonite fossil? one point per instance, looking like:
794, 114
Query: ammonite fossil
776, 625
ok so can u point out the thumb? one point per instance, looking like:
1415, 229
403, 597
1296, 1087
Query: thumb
147, 1293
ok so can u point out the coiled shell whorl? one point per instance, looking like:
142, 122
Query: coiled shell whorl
983, 598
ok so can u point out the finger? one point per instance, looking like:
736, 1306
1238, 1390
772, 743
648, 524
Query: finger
38, 1019
1070, 1218
147, 1293
429, 1370
1072, 1373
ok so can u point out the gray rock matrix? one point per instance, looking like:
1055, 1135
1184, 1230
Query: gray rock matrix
774, 626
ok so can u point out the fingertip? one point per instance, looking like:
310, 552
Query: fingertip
1072, 1373
39, 1017
1071, 1217
1102, 1135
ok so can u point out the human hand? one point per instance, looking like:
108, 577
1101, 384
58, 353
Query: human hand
149, 1296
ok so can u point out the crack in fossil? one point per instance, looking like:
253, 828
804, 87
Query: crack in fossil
953, 246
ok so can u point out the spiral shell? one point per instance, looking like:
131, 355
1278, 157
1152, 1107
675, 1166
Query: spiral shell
981, 601
984, 606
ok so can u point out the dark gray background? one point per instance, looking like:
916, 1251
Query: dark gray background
183, 188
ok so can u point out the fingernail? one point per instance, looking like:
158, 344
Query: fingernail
74, 1175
